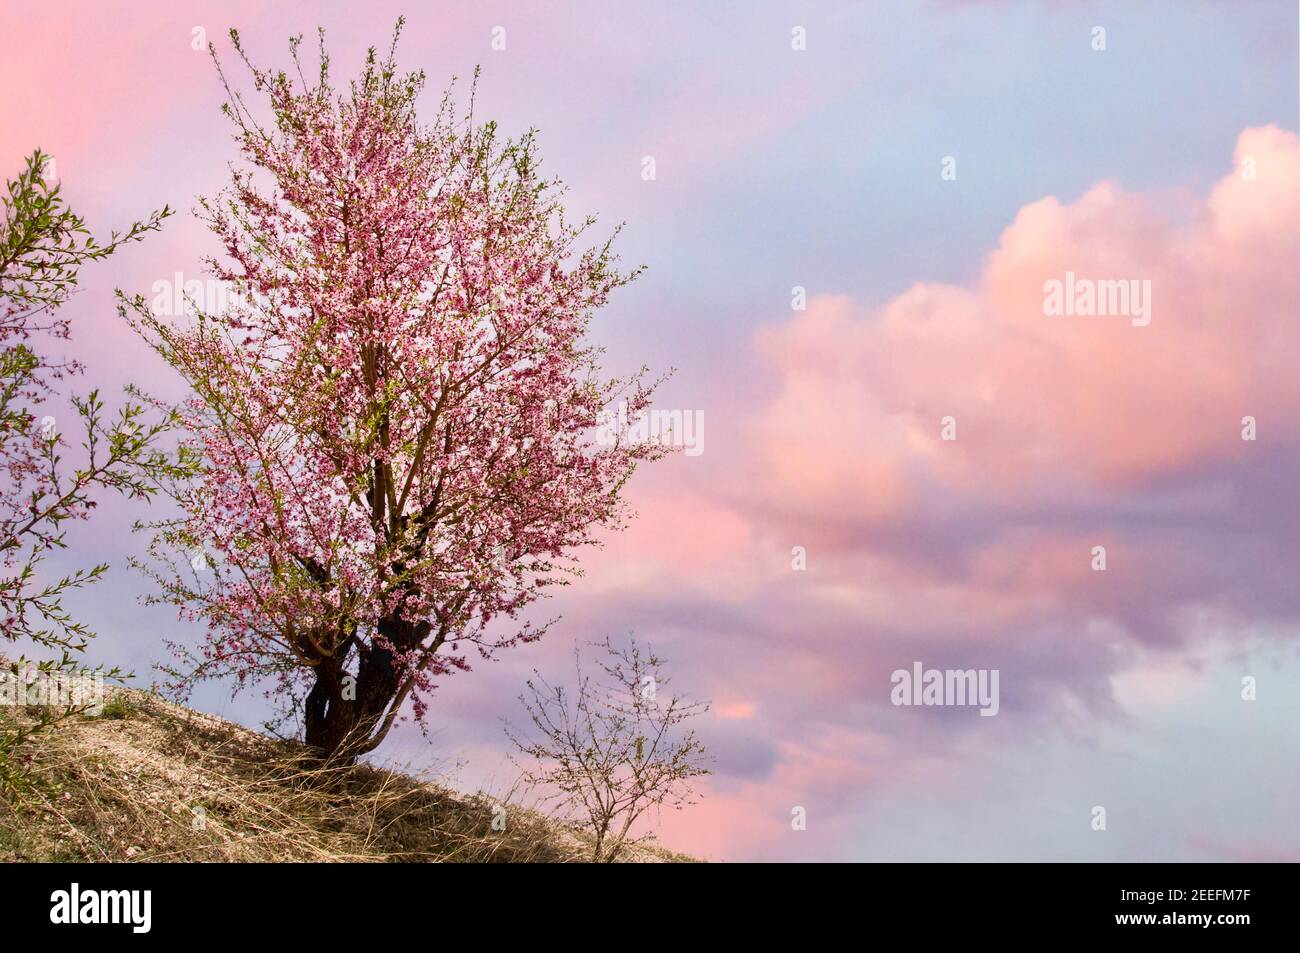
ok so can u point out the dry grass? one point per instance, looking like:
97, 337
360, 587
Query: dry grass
148, 780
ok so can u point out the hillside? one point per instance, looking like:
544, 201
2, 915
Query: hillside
148, 780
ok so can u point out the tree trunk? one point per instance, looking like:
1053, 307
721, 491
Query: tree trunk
339, 726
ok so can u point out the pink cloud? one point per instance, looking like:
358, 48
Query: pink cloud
1047, 406
734, 710
1072, 432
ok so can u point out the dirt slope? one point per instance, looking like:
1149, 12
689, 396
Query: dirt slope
148, 780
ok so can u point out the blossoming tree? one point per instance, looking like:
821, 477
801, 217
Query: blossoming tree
45, 484
394, 413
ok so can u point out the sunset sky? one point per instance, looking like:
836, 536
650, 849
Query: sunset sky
1170, 156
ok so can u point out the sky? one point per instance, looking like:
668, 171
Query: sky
919, 170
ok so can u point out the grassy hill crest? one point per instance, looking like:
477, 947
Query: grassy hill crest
149, 780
